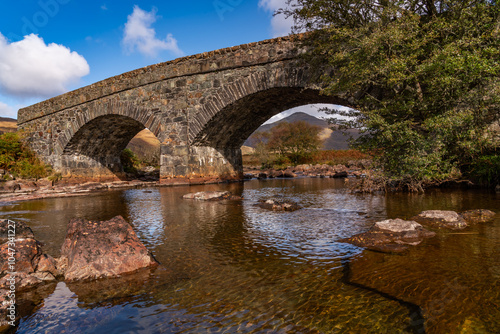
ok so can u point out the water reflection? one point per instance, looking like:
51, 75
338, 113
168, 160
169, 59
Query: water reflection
146, 214
233, 267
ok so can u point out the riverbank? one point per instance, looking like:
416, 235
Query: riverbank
26, 190
22, 190
307, 170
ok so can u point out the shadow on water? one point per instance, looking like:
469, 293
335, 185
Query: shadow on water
417, 320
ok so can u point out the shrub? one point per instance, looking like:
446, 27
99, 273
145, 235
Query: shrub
486, 170
129, 160
18, 159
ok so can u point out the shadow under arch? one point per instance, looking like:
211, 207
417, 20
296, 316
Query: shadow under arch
234, 123
94, 150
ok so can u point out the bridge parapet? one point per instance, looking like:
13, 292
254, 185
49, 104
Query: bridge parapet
251, 54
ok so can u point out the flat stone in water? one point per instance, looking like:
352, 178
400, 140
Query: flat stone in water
391, 236
441, 218
478, 216
397, 225
276, 205
210, 195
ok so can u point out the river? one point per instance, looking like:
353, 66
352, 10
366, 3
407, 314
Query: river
232, 267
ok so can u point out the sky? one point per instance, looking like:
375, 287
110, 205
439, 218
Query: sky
49, 47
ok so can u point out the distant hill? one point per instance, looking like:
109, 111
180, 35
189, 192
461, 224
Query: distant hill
146, 146
333, 140
8, 124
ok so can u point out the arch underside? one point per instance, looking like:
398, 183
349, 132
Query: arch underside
230, 127
96, 146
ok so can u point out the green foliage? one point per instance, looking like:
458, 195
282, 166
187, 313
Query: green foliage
129, 161
486, 170
55, 177
422, 79
18, 159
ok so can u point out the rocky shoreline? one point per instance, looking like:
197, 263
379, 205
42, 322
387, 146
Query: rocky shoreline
306, 170
22, 190
25, 190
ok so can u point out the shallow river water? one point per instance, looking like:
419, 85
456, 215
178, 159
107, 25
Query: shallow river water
232, 267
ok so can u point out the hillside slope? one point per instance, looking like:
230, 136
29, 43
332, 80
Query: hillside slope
146, 146
7, 125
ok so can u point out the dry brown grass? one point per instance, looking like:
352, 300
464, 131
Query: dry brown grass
6, 126
146, 146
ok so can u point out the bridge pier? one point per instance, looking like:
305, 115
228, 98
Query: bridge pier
107, 168
199, 164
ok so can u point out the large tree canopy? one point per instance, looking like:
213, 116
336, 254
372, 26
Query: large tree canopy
422, 78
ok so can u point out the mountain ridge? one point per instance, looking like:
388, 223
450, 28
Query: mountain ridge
333, 139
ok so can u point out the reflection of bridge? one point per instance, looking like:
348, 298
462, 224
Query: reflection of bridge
201, 108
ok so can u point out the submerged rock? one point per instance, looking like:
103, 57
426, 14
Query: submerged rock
441, 219
478, 216
391, 236
30, 265
20, 230
211, 196
276, 205
29, 269
94, 249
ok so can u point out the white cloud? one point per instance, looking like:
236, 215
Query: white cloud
7, 111
104, 7
311, 109
31, 68
139, 35
280, 25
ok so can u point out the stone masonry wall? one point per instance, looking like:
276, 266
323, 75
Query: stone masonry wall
200, 107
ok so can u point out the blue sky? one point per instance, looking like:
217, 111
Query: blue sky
49, 47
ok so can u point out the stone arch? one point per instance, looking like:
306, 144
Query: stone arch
231, 115
92, 145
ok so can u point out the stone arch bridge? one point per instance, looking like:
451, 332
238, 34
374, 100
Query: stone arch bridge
201, 108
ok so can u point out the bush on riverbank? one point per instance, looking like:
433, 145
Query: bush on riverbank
132, 163
422, 79
486, 170
329, 157
18, 160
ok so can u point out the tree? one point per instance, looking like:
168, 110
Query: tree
258, 140
297, 140
422, 78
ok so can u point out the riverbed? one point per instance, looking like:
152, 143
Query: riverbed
233, 267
